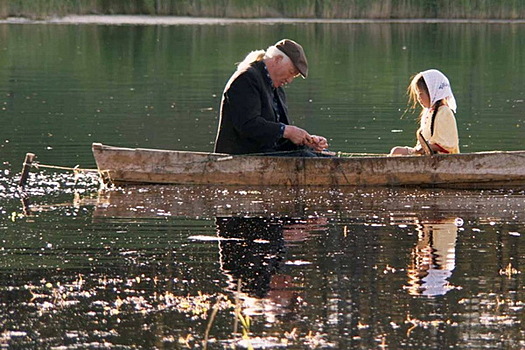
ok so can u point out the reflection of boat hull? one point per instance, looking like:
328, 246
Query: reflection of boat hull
470, 170
366, 204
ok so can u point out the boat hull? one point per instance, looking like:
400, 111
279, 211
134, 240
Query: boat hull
119, 166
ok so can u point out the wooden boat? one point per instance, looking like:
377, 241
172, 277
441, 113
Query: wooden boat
480, 170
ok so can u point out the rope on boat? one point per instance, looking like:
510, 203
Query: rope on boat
30, 163
349, 155
75, 169
338, 154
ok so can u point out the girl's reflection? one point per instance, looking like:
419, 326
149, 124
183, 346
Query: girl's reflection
433, 257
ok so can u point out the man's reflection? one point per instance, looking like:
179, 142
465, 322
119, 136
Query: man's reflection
252, 256
251, 249
433, 257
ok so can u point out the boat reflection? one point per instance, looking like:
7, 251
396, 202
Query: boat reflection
212, 201
433, 258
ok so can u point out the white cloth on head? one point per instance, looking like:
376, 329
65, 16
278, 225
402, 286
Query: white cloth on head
439, 88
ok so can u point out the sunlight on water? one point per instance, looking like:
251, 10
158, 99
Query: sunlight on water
252, 258
82, 266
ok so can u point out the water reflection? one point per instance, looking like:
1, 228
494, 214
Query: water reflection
433, 258
337, 267
253, 257
251, 252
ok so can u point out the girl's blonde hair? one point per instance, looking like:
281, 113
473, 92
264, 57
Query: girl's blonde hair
417, 83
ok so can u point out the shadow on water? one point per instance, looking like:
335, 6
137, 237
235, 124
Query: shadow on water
262, 267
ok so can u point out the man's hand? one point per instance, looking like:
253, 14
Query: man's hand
297, 135
318, 143
302, 137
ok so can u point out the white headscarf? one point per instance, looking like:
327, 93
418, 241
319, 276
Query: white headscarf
439, 88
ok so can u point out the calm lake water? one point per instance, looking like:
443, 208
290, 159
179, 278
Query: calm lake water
226, 267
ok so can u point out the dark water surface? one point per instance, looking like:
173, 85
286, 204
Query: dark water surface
228, 267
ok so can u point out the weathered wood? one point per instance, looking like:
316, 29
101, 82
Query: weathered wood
467, 170
25, 169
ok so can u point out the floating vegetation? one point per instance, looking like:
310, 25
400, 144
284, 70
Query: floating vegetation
436, 323
50, 296
96, 298
310, 340
509, 271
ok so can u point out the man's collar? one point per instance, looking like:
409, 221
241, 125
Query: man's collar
267, 74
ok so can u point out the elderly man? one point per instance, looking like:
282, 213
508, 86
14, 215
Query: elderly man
254, 114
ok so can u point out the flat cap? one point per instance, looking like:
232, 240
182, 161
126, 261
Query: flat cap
296, 54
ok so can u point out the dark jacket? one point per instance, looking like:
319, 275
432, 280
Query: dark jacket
248, 123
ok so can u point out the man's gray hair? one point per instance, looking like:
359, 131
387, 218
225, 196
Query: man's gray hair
273, 51
259, 55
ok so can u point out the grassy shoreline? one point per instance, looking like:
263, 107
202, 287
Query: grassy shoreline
305, 9
179, 20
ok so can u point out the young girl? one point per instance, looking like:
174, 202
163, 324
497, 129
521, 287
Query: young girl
432, 90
